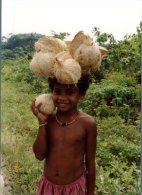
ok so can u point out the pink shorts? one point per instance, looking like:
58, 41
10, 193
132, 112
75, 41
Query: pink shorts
45, 187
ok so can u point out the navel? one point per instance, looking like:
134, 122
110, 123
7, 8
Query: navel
57, 173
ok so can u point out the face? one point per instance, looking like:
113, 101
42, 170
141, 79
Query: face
66, 97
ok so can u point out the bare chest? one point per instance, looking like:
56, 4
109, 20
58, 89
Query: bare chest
68, 135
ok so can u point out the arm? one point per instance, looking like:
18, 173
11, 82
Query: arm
90, 156
40, 146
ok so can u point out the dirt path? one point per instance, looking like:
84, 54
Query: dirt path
5, 188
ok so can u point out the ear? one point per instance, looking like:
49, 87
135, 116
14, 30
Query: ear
103, 51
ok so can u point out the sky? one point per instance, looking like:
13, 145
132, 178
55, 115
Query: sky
116, 17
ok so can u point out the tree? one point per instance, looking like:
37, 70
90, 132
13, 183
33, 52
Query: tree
20, 44
61, 35
123, 55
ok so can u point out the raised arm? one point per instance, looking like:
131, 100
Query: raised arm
91, 140
40, 146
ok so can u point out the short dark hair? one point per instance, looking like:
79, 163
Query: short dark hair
82, 85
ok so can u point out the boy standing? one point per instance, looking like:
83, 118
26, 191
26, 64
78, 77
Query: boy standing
66, 141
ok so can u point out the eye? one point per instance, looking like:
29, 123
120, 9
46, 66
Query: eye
56, 92
69, 92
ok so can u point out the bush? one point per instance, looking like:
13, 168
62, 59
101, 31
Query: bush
117, 94
118, 157
19, 71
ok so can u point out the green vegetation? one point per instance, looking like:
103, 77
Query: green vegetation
113, 99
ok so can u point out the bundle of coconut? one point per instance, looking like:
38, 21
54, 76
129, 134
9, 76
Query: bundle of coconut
67, 61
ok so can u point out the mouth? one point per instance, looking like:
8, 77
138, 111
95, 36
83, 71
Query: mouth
62, 104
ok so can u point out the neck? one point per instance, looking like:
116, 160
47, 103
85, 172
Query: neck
66, 118
68, 113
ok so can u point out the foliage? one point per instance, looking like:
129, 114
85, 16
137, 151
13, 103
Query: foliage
61, 35
19, 45
118, 152
19, 131
115, 95
124, 55
119, 178
22, 73
113, 99
118, 157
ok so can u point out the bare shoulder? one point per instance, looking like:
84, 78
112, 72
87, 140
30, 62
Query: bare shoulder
88, 121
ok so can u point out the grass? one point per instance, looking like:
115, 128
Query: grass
18, 134
117, 153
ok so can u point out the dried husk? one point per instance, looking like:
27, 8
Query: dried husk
104, 51
54, 45
62, 56
89, 58
67, 60
42, 63
68, 44
80, 38
34, 66
47, 106
67, 70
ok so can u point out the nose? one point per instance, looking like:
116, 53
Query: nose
62, 97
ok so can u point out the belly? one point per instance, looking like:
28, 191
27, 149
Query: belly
64, 167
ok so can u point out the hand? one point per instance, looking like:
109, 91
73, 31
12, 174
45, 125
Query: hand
42, 118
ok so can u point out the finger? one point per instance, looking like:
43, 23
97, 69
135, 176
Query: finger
42, 117
34, 108
39, 105
41, 112
33, 104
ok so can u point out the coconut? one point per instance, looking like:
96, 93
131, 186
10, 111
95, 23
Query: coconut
43, 60
68, 44
62, 56
34, 66
90, 57
47, 104
66, 69
103, 51
54, 45
80, 38
42, 63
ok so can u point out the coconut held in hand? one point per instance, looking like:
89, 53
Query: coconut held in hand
47, 105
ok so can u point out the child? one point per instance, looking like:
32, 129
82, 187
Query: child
66, 141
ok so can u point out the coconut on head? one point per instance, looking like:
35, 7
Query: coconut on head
66, 69
43, 60
34, 66
67, 60
51, 44
80, 38
104, 51
86, 52
89, 57
42, 63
